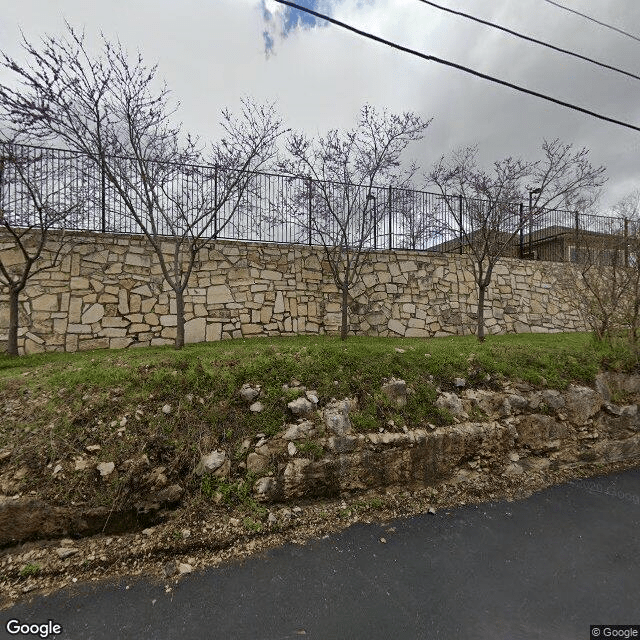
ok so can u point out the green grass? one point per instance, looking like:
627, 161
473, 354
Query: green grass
57, 404
30, 569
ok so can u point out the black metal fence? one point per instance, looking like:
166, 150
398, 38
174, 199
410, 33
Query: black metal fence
65, 189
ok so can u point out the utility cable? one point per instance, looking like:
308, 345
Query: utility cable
448, 63
530, 39
603, 24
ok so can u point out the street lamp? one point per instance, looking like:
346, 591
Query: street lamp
536, 191
375, 220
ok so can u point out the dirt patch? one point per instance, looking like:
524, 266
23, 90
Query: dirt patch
198, 536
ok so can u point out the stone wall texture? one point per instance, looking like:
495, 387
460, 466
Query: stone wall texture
109, 292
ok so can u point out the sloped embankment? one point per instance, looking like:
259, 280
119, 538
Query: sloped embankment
494, 435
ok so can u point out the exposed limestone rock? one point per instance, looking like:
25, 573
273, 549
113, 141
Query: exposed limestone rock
336, 416
396, 391
299, 431
257, 463
249, 392
451, 402
300, 407
212, 462
541, 432
582, 403
105, 468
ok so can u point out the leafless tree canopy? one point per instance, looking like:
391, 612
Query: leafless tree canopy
345, 207
112, 109
488, 215
40, 194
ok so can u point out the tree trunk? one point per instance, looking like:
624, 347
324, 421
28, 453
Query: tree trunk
12, 341
179, 319
481, 292
345, 298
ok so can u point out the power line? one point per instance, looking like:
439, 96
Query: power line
584, 15
530, 39
424, 56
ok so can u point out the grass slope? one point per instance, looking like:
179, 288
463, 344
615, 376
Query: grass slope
55, 405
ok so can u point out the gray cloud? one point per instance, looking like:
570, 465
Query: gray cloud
212, 54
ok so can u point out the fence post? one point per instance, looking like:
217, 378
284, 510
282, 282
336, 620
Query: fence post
577, 222
310, 208
521, 230
461, 224
390, 221
626, 241
375, 224
215, 202
103, 197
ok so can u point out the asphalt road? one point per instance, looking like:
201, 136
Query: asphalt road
546, 568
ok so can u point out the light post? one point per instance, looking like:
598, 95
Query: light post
375, 220
536, 191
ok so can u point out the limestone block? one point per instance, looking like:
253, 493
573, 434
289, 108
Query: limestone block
214, 331
99, 257
113, 333
169, 332
158, 342
268, 274
263, 315
396, 327
408, 265
333, 319
138, 327
114, 269
78, 282
115, 322
147, 305
137, 260
45, 302
94, 313
370, 280
11, 257
4, 316
31, 346
168, 321
142, 290
60, 325
278, 307
123, 302
120, 343
219, 294
95, 343
414, 332
78, 328
251, 329
195, 330
71, 343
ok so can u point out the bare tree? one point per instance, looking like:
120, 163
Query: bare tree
607, 271
346, 207
41, 193
108, 108
484, 207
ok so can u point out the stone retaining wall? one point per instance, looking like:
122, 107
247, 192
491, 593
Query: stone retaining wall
110, 293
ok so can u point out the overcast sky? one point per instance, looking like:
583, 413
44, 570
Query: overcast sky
211, 54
